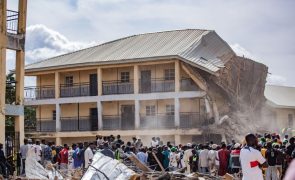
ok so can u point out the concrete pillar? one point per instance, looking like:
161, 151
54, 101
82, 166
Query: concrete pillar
57, 84
177, 76
99, 115
3, 5
2, 94
99, 81
177, 140
57, 121
19, 93
136, 79
137, 114
176, 112
216, 113
58, 141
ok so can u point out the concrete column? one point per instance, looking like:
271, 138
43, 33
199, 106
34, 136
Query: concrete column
137, 114
177, 76
136, 79
58, 141
57, 121
176, 112
99, 81
177, 140
19, 93
3, 5
99, 115
2, 94
57, 84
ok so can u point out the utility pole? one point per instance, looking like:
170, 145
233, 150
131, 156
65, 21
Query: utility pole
12, 36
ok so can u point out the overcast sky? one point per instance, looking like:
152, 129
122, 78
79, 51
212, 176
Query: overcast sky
262, 30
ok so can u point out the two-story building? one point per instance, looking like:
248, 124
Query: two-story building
143, 85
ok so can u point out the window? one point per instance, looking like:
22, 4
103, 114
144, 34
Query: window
54, 115
69, 80
125, 77
169, 74
150, 110
169, 109
290, 120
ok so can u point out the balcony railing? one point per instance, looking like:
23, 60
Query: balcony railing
158, 121
192, 120
77, 89
40, 92
12, 21
156, 85
83, 123
117, 87
187, 84
45, 125
111, 122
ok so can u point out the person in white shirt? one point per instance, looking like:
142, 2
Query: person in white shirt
88, 155
154, 142
187, 154
251, 159
173, 159
38, 151
212, 157
203, 158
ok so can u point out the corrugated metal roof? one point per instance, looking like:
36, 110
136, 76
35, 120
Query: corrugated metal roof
280, 96
202, 48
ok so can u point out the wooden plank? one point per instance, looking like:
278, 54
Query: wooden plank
139, 164
159, 163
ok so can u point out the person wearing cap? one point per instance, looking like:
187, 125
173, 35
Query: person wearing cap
234, 161
186, 156
212, 157
174, 158
203, 160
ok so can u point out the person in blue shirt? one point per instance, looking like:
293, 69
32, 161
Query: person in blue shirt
142, 156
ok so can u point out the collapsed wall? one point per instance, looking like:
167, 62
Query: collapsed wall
235, 96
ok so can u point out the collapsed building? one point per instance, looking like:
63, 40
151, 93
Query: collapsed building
183, 86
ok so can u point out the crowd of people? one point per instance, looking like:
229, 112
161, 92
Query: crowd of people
266, 154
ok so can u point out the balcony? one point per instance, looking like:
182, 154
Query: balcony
156, 85
191, 120
44, 125
77, 90
187, 84
117, 87
84, 123
40, 92
111, 122
158, 121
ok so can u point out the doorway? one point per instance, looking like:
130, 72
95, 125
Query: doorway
93, 119
146, 83
127, 117
93, 84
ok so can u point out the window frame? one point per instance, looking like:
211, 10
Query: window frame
150, 110
169, 74
125, 77
54, 115
69, 81
170, 109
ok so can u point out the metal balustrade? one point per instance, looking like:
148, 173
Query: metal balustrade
117, 87
39, 92
77, 89
111, 122
187, 84
156, 85
191, 120
45, 125
83, 123
11, 21
158, 121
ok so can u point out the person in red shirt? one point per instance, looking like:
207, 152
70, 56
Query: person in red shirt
64, 155
223, 155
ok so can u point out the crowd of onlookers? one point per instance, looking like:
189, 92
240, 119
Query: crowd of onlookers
267, 152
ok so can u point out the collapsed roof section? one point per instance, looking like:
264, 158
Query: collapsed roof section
203, 49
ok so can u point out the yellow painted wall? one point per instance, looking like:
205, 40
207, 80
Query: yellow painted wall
78, 76
71, 110
157, 71
160, 105
282, 117
111, 74
114, 107
45, 111
189, 105
45, 80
